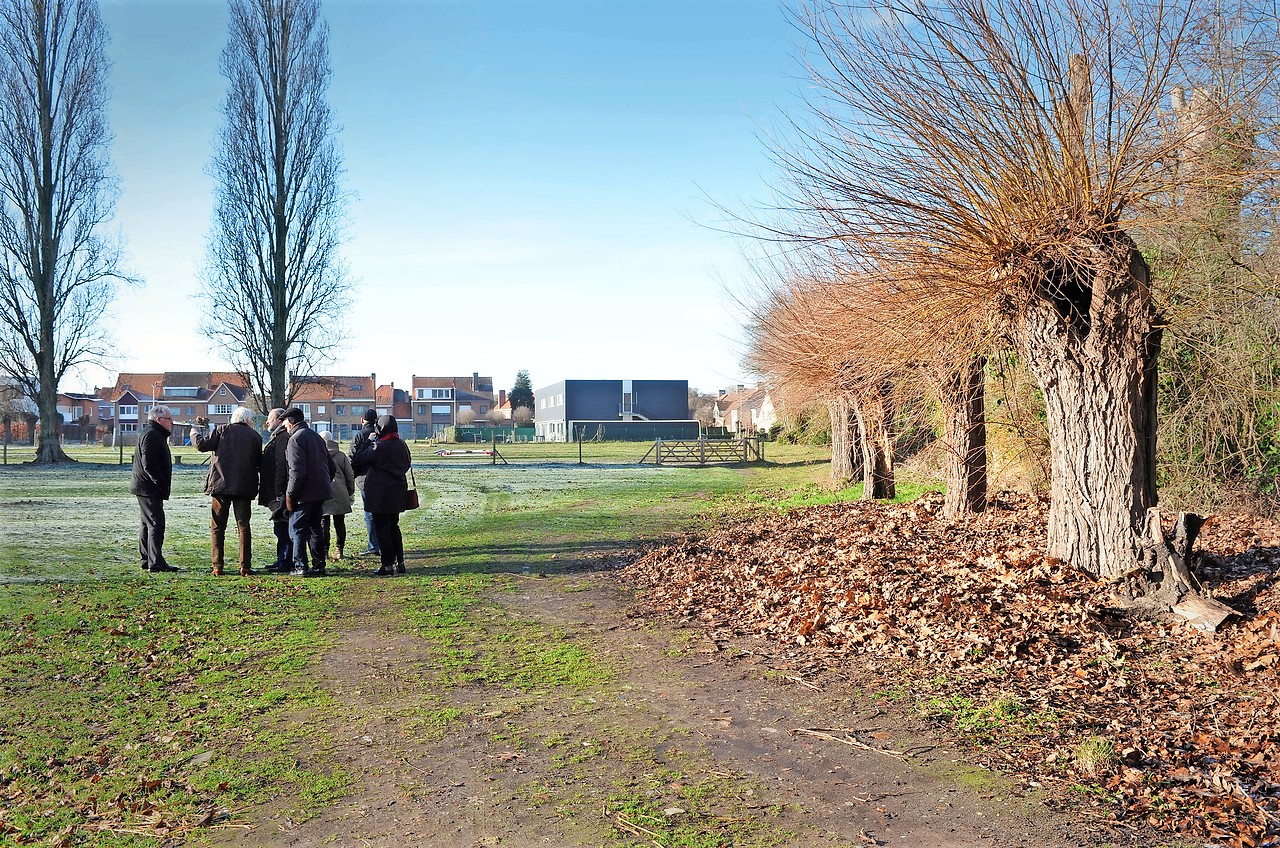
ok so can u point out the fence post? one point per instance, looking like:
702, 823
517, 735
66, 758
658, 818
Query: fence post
702, 451
493, 450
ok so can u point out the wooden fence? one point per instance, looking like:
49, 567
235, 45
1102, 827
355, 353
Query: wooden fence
705, 451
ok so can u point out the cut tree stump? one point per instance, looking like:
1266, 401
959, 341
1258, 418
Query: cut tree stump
1175, 587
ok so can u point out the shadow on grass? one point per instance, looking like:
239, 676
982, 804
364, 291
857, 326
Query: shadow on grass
550, 558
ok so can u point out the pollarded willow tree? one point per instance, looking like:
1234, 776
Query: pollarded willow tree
57, 272
1025, 142
274, 280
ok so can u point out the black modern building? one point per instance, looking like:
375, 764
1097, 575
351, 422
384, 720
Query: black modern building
619, 410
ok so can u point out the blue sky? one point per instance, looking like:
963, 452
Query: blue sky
534, 183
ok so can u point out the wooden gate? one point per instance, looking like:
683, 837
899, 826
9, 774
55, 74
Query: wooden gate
705, 451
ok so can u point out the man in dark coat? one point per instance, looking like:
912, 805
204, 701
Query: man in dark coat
308, 474
151, 482
270, 493
359, 443
232, 482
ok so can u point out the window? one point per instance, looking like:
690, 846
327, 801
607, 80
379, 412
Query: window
306, 409
128, 428
146, 407
340, 409
422, 409
441, 409
483, 409
441, 394
464, 407
560, 400
129, 411
191, 410
422, 394
221, 409
319, 410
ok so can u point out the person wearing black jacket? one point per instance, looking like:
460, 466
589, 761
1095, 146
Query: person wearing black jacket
385, 462
269, 492
151, 483
359, 443
232, 481
308, 483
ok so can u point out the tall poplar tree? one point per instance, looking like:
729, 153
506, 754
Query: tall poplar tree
274, 280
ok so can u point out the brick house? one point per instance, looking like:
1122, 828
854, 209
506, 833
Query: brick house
189, 394
335, 403
437, 403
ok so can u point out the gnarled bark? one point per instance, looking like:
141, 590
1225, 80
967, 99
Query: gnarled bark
846, 453
1091, 339
874, 410
961, 392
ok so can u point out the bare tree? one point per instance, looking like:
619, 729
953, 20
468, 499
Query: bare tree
274, 280
57, 274
1025, 143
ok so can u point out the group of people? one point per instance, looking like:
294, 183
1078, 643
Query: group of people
300, 475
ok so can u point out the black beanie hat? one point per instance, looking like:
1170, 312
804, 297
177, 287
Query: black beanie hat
370, 415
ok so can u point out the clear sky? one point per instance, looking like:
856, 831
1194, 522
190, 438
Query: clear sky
535, 182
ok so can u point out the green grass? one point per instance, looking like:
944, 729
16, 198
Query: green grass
989, 721
133, 706
815, 494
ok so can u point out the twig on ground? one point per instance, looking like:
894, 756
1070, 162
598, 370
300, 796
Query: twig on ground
848, 739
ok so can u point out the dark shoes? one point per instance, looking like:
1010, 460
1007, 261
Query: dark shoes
163, 567
369, 552
307, 572
400, 567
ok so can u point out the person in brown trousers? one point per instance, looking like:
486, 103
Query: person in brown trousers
232, 483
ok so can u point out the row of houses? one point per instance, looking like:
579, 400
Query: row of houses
332, 402
562, 411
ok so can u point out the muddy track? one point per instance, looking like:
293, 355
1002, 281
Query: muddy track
519, 768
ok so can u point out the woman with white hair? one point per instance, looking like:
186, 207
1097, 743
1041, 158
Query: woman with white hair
232, 483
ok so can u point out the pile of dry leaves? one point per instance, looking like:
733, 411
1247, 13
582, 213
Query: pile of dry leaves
1172, 728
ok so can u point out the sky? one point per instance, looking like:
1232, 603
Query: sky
536, 184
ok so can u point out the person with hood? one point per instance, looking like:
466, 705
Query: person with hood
232, 482
307, 482
269, 493
385, 462
152, 482
344, 488
359, 443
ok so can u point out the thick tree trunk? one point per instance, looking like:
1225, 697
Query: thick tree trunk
49, 448
874, 411
1091, 340
962, 393
845, 451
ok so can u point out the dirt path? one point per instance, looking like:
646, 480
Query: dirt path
685, 723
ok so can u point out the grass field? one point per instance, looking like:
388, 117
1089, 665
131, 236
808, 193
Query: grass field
425, 452
134, 707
